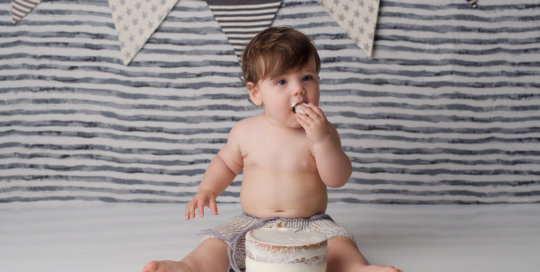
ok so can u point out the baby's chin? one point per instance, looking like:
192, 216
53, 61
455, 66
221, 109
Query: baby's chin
296, 125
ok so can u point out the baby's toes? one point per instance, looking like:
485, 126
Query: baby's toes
151, 267
388, 269
379, 268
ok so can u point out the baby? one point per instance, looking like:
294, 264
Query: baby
288, 158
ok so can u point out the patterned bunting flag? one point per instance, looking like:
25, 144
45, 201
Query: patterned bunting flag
472, 2
136, 20
20, 8
357, 18
241, 20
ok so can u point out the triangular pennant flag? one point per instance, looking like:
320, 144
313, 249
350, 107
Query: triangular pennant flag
136, 20
357, 18
472, 2
241, 20
21, 8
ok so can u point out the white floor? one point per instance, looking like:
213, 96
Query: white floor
94, 236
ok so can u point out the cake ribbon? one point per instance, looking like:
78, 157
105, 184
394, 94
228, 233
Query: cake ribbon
233, 240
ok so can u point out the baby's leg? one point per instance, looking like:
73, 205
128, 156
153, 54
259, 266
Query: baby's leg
344, 256
209, 256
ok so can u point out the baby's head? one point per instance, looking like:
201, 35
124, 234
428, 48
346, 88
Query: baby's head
276, 51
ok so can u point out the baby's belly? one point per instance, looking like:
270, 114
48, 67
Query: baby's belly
266, 195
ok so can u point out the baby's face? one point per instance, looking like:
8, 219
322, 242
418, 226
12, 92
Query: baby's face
279, 95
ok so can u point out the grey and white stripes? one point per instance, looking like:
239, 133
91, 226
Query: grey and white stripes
241, 20
446, 111
20, 8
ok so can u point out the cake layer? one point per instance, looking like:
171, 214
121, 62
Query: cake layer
285, 246
254, 266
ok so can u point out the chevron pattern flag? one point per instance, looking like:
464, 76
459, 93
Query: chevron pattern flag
241, 20
21, 8
472, 2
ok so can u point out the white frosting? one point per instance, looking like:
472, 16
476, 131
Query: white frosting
287, 237
282, 249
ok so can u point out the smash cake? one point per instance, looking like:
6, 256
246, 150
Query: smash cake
297, 107
279, 249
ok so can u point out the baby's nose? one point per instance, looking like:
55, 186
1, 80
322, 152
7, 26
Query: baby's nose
299, 90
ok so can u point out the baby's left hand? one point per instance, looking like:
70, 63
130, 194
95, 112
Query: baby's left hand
314, 122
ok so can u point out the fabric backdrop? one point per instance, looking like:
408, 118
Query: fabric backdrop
447, 110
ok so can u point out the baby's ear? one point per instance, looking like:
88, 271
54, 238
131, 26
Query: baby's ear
254, 94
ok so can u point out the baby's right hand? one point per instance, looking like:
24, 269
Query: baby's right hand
199, 201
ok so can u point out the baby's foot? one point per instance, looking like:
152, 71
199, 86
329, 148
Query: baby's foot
165, 266
378, 268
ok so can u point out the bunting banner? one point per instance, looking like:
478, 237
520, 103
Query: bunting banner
241, 20
21, 8
136, 21
472, 2
357, 18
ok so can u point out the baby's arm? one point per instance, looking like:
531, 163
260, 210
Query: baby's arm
333, 164
218, 176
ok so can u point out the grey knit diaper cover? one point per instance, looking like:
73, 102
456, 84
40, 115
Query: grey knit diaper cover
233, 232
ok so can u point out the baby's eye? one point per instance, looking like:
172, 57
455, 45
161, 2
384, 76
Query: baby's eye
307, 78
281, 82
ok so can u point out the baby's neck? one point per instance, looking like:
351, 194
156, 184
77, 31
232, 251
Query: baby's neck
278, 125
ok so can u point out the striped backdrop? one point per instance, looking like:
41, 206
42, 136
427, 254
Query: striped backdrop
446, 112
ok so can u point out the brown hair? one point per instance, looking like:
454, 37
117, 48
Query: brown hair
275, 51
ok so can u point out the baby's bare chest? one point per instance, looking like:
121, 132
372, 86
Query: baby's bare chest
280, 154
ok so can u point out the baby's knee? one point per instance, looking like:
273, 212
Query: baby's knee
210, 255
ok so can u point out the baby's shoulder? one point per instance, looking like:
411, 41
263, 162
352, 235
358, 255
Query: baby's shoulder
245, 127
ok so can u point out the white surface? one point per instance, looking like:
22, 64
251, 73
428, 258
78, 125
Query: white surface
95, 236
